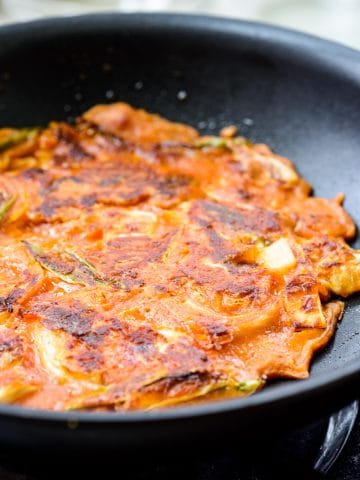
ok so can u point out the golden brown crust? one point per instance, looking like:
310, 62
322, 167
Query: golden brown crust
143, 265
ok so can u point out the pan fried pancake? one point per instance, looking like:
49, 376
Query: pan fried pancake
142, 265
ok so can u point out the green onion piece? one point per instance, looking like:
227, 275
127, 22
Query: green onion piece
213, 142
219, 142
69, 267
18, 137
249, 386
87, 268
6, 206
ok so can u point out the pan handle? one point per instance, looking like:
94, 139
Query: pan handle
339, 429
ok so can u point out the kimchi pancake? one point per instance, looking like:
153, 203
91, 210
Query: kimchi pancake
143, 265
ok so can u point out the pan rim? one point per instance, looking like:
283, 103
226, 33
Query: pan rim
282, 35
336, 55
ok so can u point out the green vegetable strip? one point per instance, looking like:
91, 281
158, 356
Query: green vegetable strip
249, 386
213, 142
6, 206
18, 137
87, 268
74, 270
219, 142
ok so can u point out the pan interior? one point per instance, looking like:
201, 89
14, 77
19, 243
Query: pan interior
283, 95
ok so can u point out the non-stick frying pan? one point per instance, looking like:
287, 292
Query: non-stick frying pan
299, 94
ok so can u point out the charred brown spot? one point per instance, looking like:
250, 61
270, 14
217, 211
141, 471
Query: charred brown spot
161, 288
238, 258
110, 181
116, 324
51, 204
172, 184
55, 184
309, 304
301, 283
219, 247
143, 336
137, 249
32, 173
331, 264
131, 198
219, 334
7, 302
76, 319
126, 284
182, 354
95, 337
244, 194
218, 330
10, 343
183, 381
89, 360
88, 200
240, 290
69, 148
103, 137
254, 220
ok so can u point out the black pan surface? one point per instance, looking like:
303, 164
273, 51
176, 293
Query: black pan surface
299, 94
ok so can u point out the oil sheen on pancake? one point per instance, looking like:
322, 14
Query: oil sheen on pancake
143, 265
